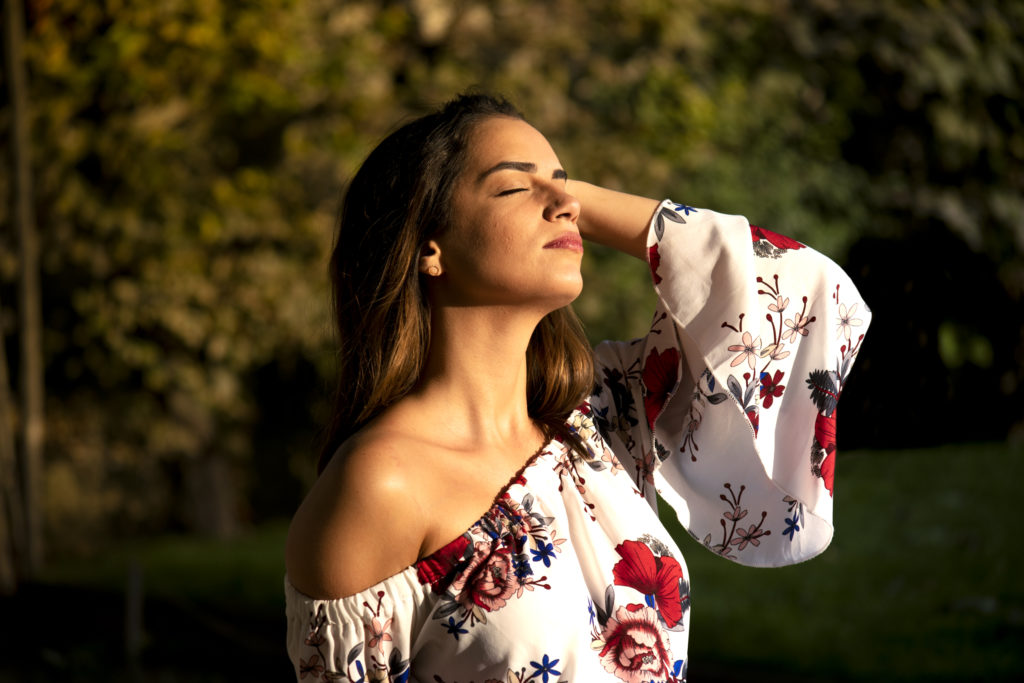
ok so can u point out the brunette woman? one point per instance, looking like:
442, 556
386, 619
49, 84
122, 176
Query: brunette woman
486, 505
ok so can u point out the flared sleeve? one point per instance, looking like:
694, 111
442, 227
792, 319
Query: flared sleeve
727, 407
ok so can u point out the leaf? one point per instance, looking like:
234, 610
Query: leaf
354, 652
609, 600
715, 399
446, 609
672, 215
823, 391
395, 662
735, 389
662, 452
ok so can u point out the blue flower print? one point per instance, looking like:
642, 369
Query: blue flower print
791, 526
544, 669
544, 553
455, 627
521, 564
684, 209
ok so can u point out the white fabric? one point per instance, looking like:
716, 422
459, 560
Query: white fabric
570, 575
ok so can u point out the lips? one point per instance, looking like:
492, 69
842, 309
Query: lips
567, 240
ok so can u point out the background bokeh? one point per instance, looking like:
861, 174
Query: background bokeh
187, 160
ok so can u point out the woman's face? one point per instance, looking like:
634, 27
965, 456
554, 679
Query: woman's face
513, 238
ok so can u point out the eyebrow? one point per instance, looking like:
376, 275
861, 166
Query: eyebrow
524, 166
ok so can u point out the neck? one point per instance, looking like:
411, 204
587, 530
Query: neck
476, 372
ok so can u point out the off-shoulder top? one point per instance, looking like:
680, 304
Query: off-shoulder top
726, 409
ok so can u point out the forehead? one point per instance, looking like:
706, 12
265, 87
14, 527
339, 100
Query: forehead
501, 138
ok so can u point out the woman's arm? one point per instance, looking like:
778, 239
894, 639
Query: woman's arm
614, 219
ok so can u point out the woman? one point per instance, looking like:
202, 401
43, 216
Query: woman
486, 510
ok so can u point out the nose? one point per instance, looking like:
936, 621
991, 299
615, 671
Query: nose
562, 205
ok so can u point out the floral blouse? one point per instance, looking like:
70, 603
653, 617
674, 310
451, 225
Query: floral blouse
726, 408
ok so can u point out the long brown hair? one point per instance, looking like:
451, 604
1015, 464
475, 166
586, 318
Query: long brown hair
400, 198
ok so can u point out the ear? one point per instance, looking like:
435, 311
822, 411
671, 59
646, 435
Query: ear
430, 259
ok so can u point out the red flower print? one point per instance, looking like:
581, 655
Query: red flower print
770, 387
828, 471
655, 260
776, 240
640, 569
754, 418
634, 647
489, 580
659, 378
825, 447
438, 568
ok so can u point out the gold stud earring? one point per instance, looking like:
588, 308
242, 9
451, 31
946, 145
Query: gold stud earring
433, 271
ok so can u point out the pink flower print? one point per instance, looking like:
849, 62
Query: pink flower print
774, 351
379, 633
797, 325
489, 580
634, 647
644, 467
583, 424
748, 351
311, 668
846, 320
780, 305
770, 387
316, 624
750, 536
736, 514
609, 457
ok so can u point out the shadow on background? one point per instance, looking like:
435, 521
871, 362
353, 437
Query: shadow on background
941, 363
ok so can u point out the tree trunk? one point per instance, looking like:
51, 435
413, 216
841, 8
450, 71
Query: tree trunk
211, 496
11, 522
29, 295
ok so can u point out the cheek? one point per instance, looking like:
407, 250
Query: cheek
486, 245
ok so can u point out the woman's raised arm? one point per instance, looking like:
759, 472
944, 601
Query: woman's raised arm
614, 219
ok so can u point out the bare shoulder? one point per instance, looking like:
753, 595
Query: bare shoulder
361, 522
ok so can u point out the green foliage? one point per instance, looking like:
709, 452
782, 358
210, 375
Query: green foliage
189, 156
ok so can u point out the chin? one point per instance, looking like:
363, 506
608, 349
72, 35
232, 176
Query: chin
568, 291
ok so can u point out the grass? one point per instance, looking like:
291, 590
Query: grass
247, 571
920, 583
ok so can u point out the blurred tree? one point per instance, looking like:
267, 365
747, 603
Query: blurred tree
191, 153
31, 417
12, 526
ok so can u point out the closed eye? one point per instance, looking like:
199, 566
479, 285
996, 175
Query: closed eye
505, 193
